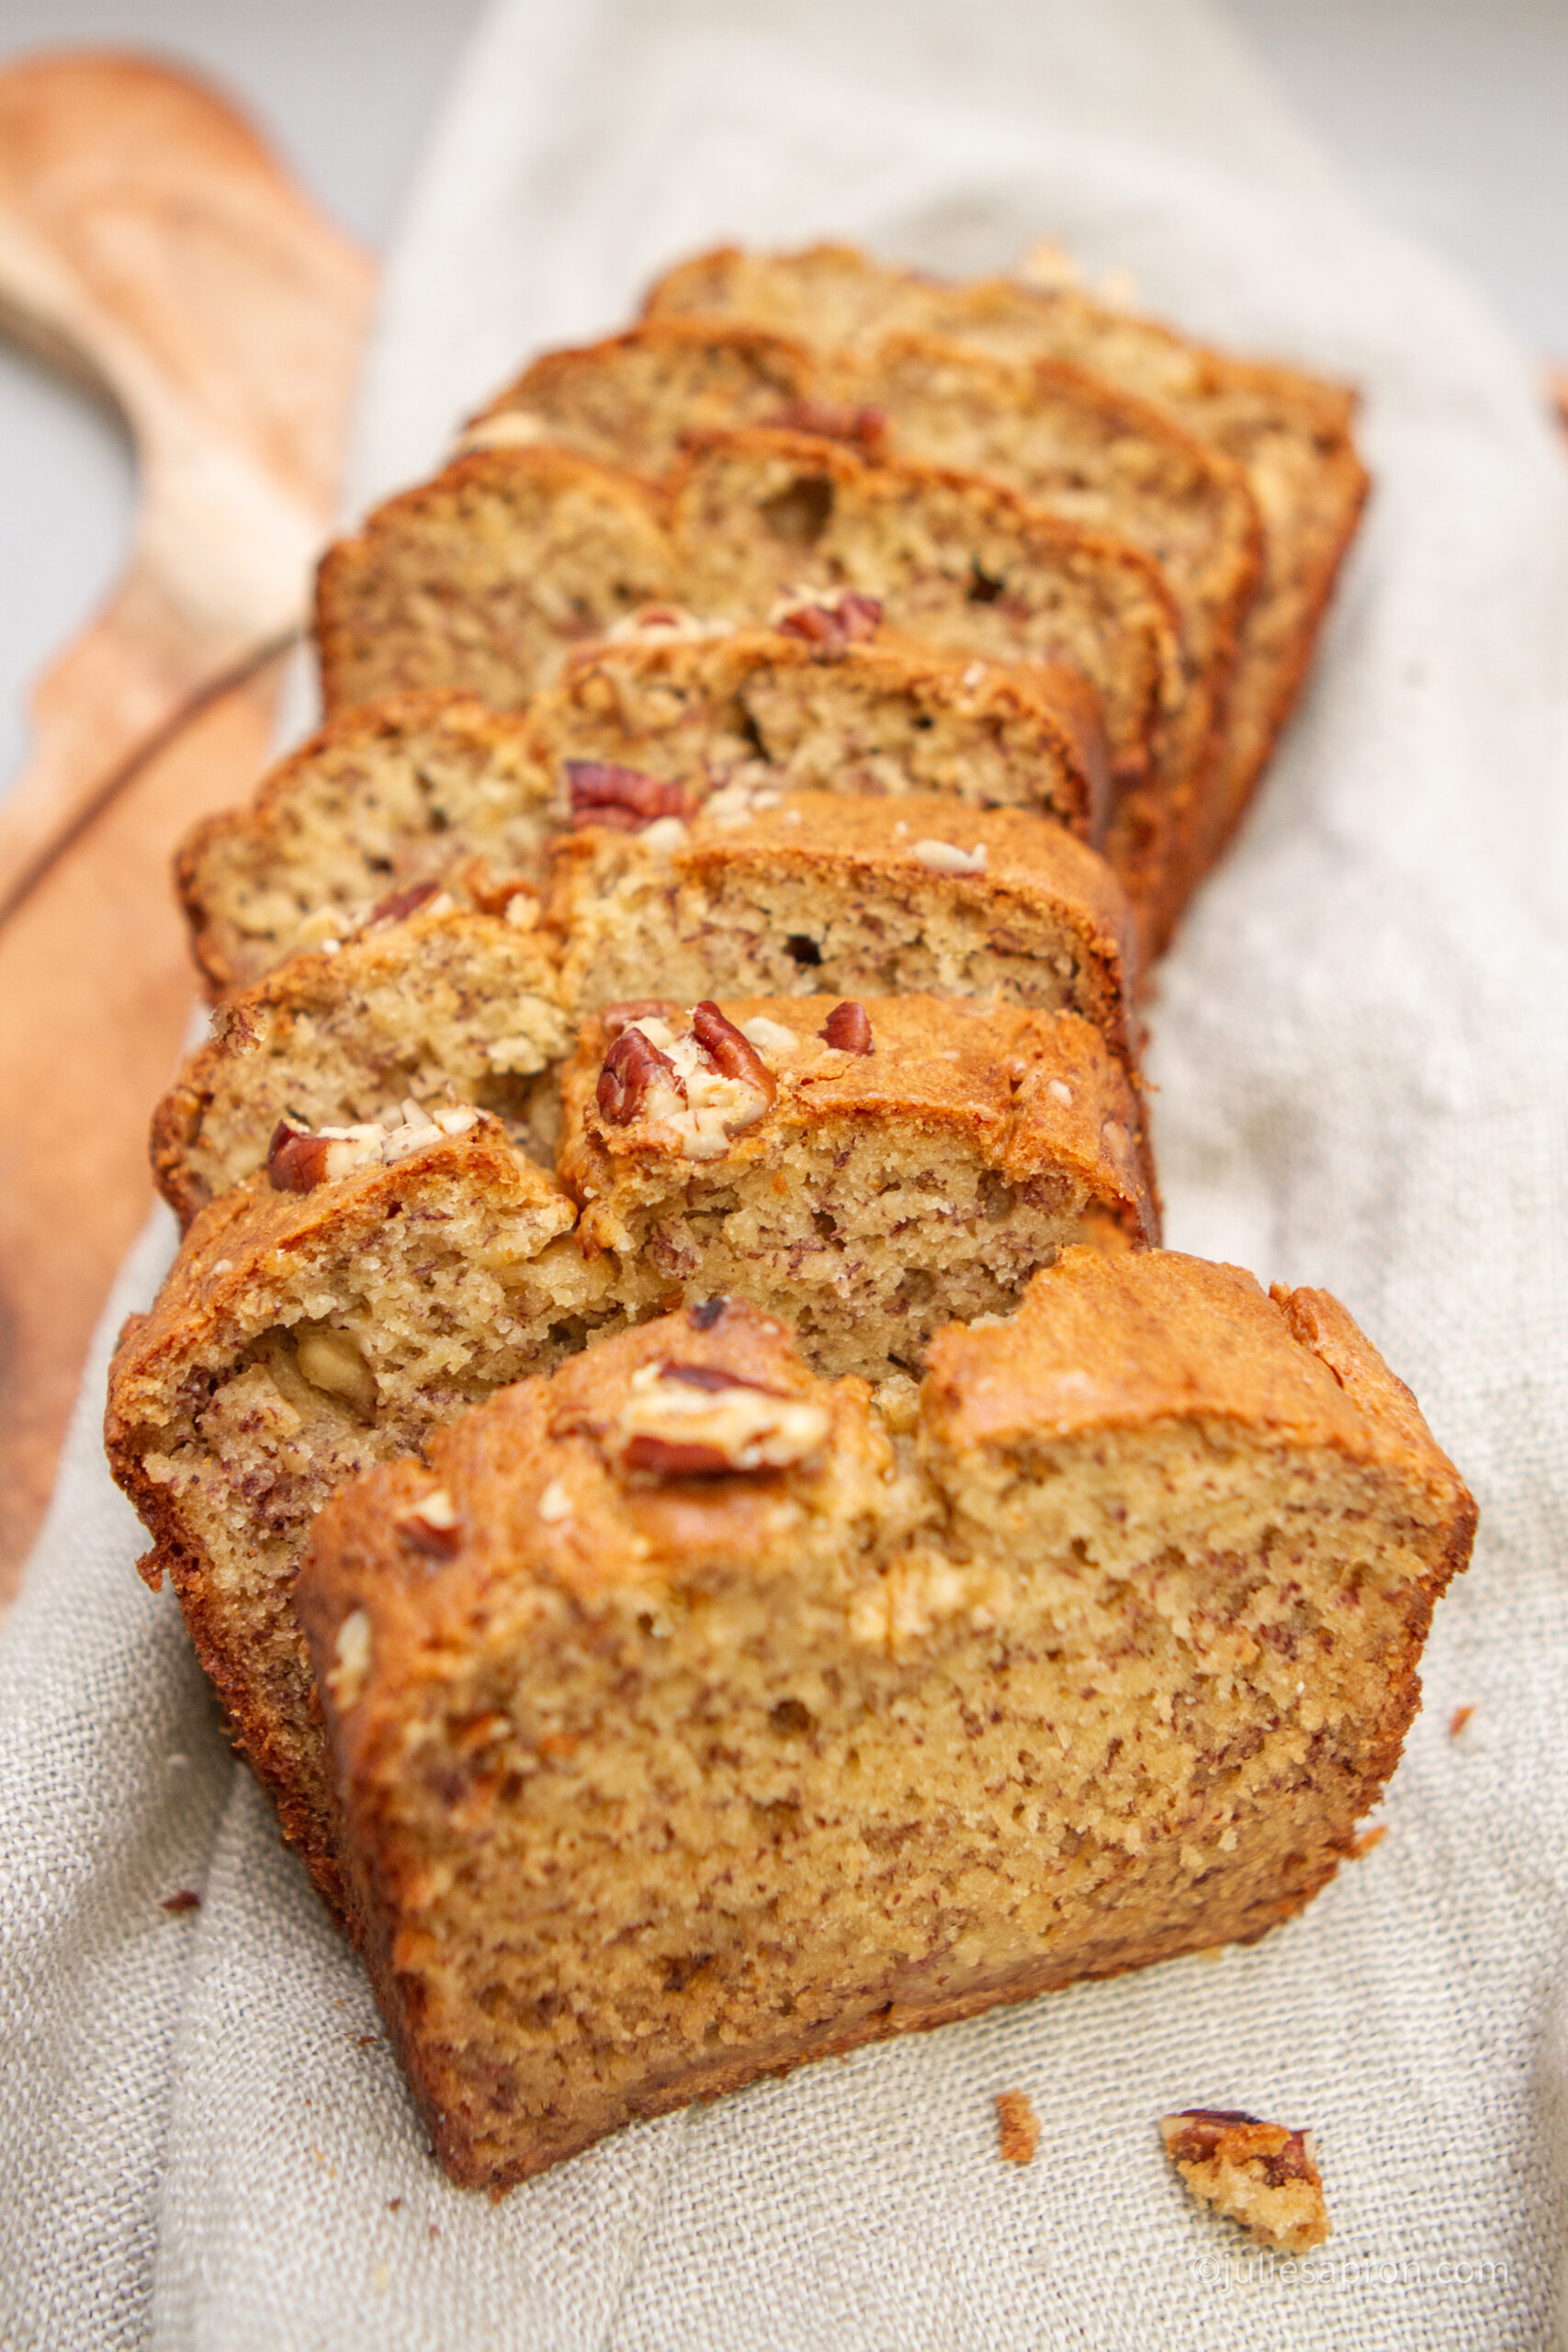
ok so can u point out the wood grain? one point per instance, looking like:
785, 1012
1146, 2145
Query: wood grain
149, 242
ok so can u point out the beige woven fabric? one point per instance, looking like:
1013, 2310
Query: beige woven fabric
1361, 1052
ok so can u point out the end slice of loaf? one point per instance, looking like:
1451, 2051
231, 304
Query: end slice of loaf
1102, 1668
301, 1337
805, 893
449, 1005
874, 1169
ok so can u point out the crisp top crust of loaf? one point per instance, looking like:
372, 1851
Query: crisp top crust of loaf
1027, 1087
1024, 853
1108, 1342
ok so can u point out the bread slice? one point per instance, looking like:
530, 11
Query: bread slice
447, 1005
480, 580
764, 893
381, 799
748, 1730
1045, 428
877, 1169
952, 559
400, 792
632, 399
301, 1337
1290, 433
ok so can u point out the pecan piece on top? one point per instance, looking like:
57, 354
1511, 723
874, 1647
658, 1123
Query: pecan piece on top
631, 1068
731, 1053
703, 1421
626, 800
848, 1027
296, 1159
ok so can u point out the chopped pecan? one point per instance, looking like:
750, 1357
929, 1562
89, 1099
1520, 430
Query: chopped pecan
711, 1376
631, 1067
663, 1457
399, 904
296, 1159
850, 620
623, 798
706, 1313
848, 1027
855, 420
731, 1053
432, 1526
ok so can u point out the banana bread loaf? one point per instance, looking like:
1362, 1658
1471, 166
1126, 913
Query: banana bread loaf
734, 1728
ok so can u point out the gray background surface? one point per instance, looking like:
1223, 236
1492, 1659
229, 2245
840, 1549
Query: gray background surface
1449, 115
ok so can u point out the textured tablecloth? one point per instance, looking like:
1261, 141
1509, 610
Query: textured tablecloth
1361, 1054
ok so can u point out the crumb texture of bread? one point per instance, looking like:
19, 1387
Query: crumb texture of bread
764, 894
872, 1193
1258, 2175
380, 799
742, 1722
300, 1339
447, 1006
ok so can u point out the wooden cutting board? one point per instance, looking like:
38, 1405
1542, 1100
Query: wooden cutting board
149, 242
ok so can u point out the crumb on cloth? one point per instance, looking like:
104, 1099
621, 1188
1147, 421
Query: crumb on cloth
1018, 2128
1258, 2175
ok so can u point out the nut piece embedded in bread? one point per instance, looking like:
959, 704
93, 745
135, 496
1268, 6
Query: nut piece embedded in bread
871, 1195
446, 1006
325, 1315
1101, 1666
769, 894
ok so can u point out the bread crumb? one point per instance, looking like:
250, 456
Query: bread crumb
1457, 1721
1367, 1840
1018, 2128
1258, 2175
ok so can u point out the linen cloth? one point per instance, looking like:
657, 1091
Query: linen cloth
1359, 1044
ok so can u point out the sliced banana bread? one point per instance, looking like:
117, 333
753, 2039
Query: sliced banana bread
733, 1729
877, 1169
